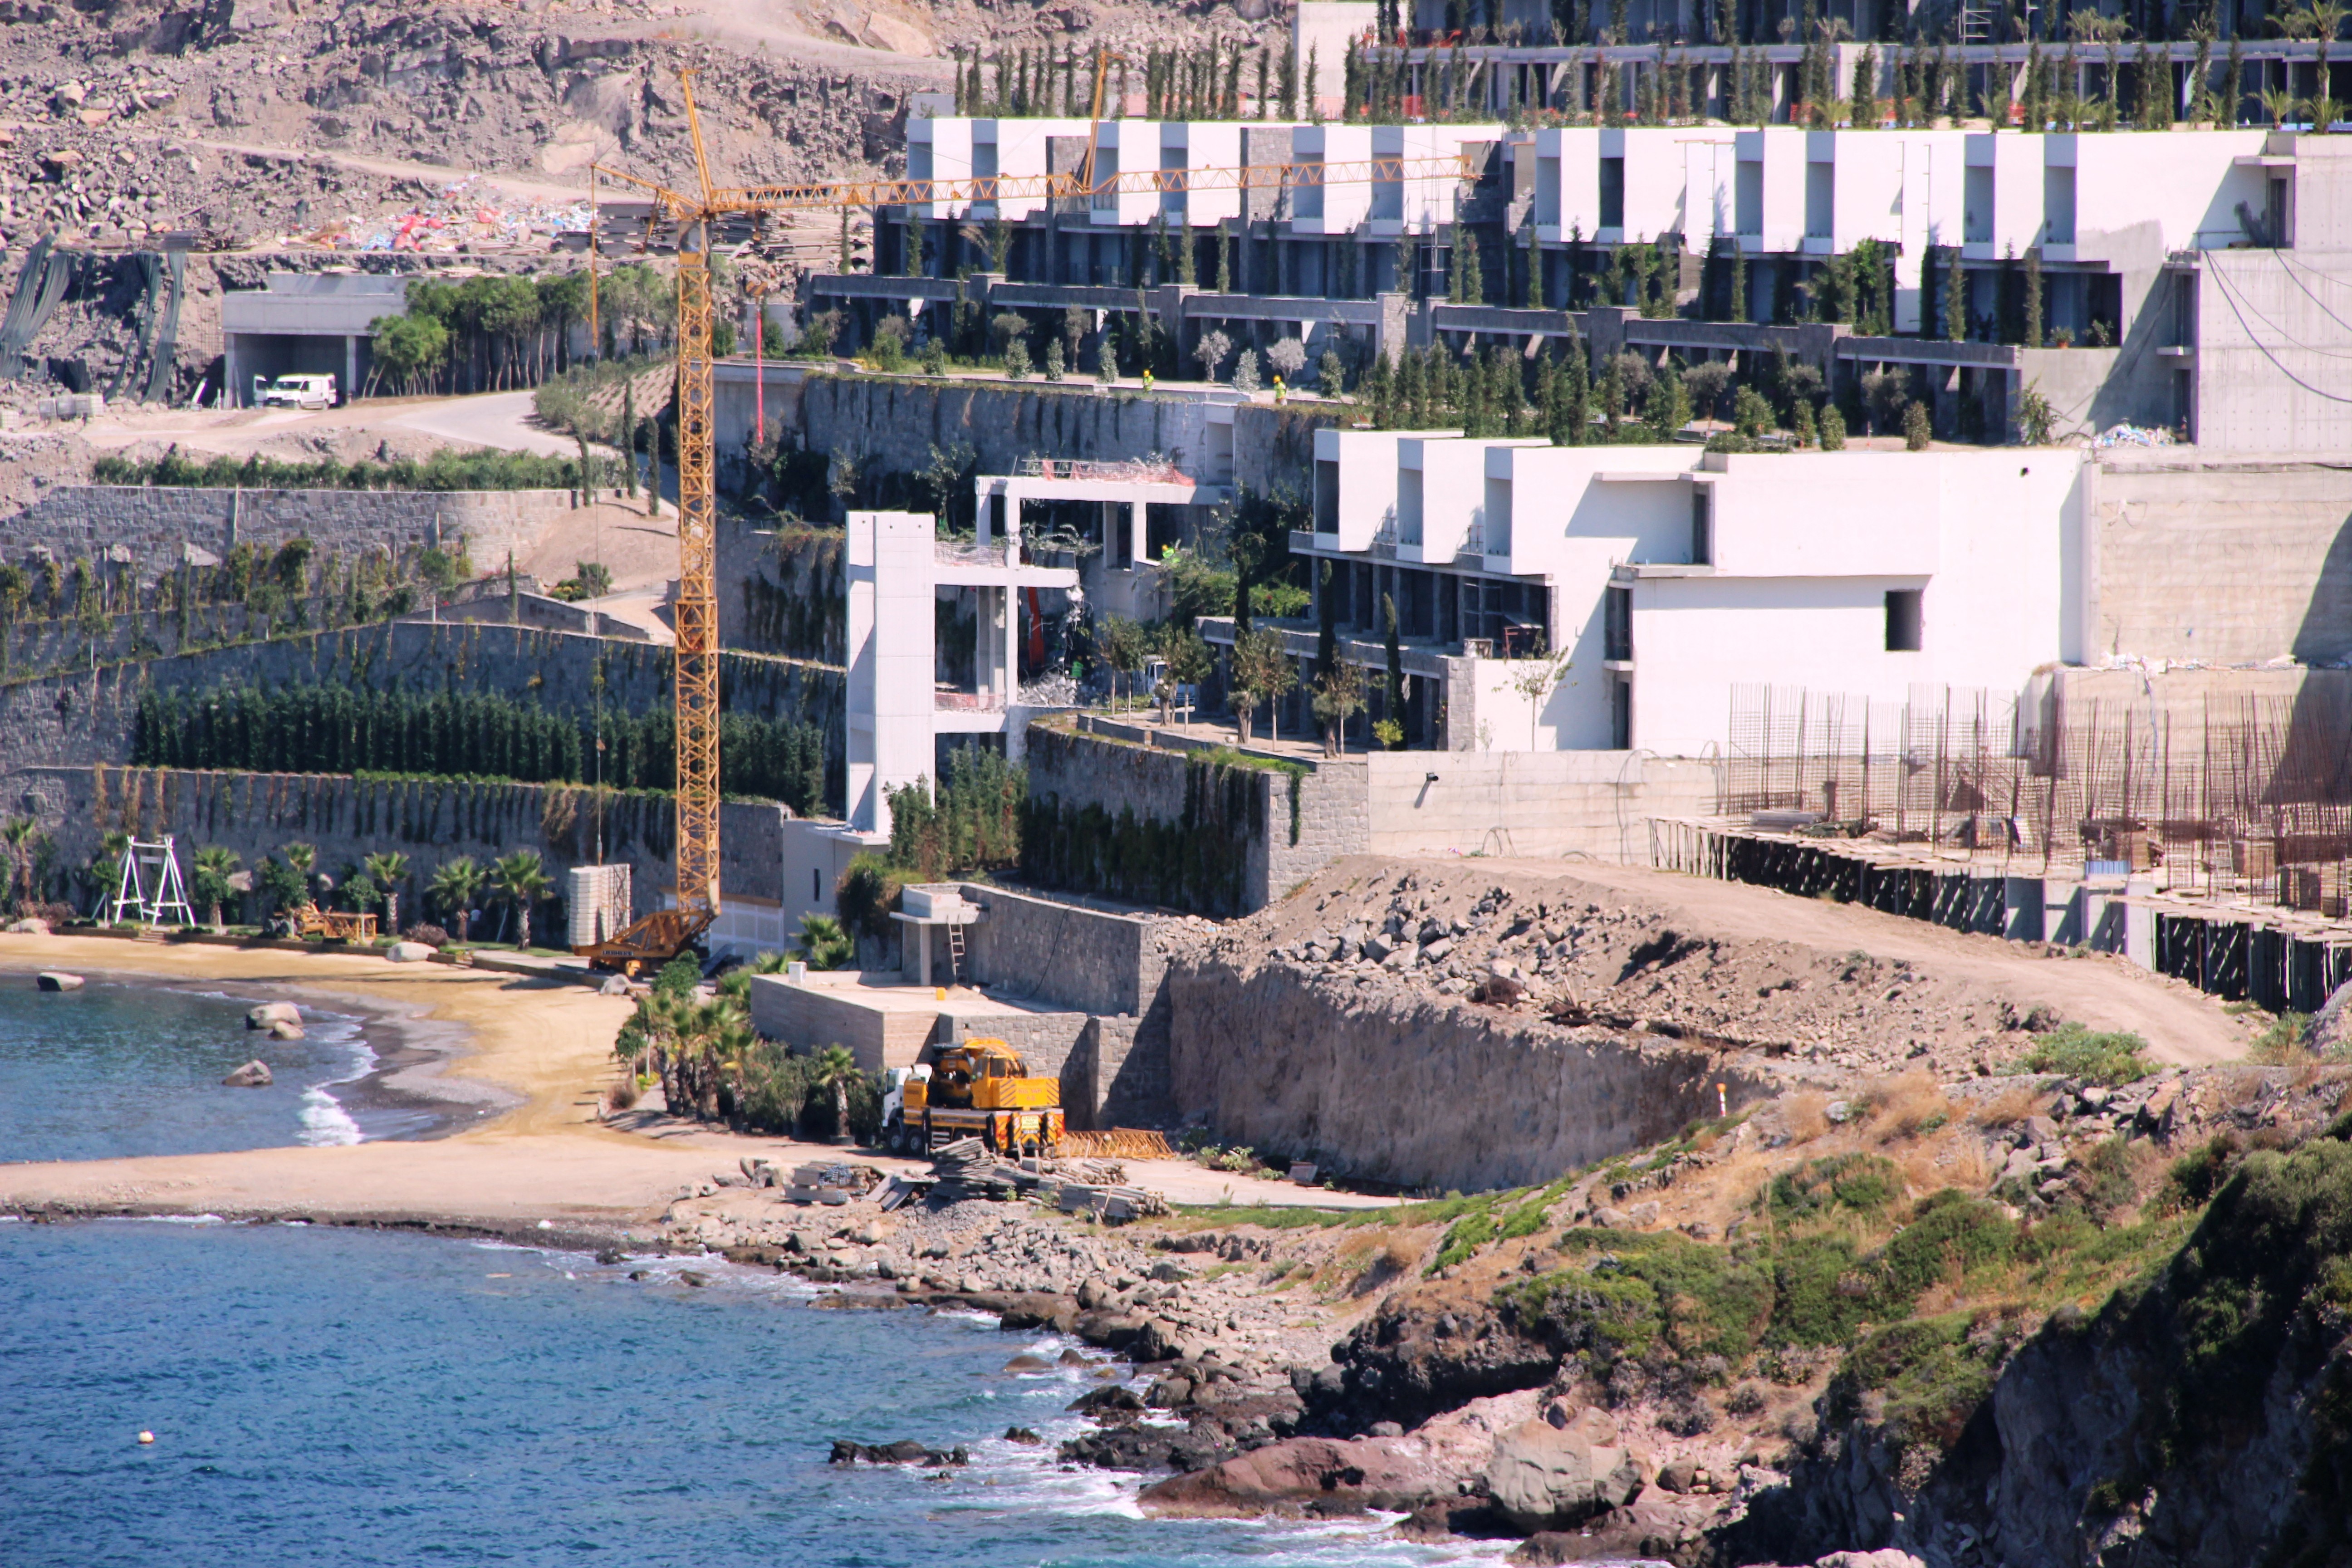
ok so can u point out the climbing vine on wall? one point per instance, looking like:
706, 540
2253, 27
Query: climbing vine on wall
1199, 861
337, 728
793, 599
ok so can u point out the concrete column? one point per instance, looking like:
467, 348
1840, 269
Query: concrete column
350, 367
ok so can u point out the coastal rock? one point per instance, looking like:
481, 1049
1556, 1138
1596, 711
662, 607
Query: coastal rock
1021, 1364
282, 1030
2332, 1024
1320, 1474
613, 986
1544, 1477
56, 980
905, 1451
252, 1075
1889, 1557
267, 1013
31, 925
407, 952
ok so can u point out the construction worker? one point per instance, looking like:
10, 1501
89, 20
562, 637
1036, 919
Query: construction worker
1279, 390
1147, 381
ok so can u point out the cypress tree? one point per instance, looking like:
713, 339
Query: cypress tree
1574, 413
1955, 304
2032, 333
1394, 699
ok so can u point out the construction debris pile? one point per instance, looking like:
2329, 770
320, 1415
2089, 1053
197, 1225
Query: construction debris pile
967, 1168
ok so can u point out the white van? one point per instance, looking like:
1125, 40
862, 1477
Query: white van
296, 392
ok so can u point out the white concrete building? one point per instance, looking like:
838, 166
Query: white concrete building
899, 707
907, 695
1668, 575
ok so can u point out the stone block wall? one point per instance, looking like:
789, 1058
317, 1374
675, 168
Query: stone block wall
345, 819
151, 523
87, 717
1331, 816
894, 421
1425, 1091
1093, 960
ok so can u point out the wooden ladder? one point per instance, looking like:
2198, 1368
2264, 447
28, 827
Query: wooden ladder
955, 954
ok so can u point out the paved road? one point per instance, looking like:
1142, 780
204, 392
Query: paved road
487, 420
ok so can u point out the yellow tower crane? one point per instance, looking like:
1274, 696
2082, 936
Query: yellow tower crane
691, 221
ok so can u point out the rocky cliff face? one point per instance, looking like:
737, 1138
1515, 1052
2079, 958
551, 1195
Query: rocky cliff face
2202, 1417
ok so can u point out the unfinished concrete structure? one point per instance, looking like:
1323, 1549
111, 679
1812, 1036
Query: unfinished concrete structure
903, 699
306, 323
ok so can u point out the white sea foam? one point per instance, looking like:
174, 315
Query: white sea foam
325, 1122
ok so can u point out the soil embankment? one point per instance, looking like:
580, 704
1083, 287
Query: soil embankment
1479, 1024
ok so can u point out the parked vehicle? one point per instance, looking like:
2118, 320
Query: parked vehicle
978, 1089
296, 392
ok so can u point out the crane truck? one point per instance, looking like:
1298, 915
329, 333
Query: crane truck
980, 1089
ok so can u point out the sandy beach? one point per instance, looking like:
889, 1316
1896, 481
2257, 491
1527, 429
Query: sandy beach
534, 1053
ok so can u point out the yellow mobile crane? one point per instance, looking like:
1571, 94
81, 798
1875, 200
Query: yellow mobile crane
693, 221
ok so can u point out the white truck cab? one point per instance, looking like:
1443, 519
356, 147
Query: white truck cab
894, 1096
296, 392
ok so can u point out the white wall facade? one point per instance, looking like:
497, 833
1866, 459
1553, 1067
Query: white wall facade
1786, 584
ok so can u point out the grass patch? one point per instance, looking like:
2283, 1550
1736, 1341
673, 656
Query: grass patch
2075, 1050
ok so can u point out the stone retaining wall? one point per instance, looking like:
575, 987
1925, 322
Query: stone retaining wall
153, 521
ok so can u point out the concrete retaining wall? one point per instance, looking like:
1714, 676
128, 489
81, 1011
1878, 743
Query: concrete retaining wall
1594, 805
153, 521
2224, 561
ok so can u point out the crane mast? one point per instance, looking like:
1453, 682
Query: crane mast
662, 935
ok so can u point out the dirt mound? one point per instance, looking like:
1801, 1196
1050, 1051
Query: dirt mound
1717, 964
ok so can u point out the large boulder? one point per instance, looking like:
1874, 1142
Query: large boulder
31, 925
1318, 1475
409, 953
252, 1075
56, 980
1547, 1477
263, 1015
2332, 1024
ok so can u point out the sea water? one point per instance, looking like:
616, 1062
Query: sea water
321, 1396
111, 1070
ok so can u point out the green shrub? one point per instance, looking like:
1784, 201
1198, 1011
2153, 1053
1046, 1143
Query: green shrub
1862, 1183
678, 977
2074, 1050
868, 892
1949, 1228
1640, 1290
1821, 1292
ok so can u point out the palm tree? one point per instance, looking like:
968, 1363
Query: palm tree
387, 869
524, 881
215, 863
304, 858
105, 869
454, 888
735, 984
835, 1068
19, 836
824, 944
